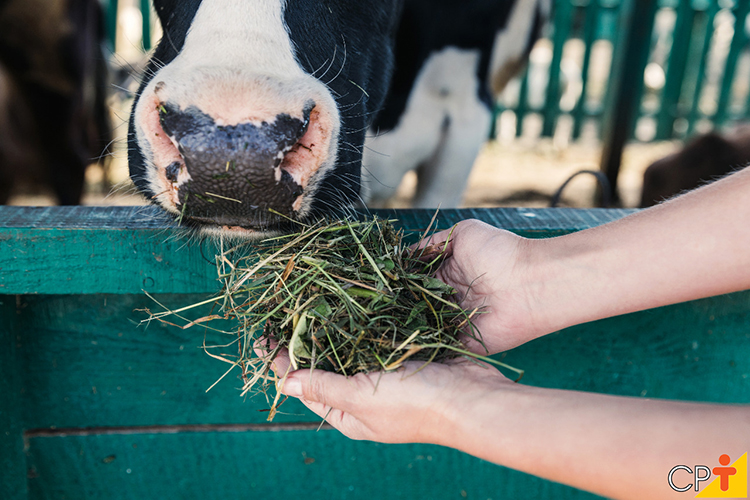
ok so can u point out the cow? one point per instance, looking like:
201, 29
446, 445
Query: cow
704, 159
54, 119
252, 116
452, 60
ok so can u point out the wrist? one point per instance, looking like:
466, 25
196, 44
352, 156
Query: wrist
547, 285
488, 427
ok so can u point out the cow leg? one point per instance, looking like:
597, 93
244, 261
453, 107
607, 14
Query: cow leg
388, 157
442, 180
445, 122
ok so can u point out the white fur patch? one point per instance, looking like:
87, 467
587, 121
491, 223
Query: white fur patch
445, 92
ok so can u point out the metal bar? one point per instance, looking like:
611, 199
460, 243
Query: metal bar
589, 36
741, 9
146, 15
523, 102
708, 32
111, 21
677, 62
563, 11
626, 84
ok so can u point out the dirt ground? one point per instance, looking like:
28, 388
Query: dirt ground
507, 173
526, 174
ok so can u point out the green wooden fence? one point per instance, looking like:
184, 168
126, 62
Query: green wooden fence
93, 406
690, 43
702, 88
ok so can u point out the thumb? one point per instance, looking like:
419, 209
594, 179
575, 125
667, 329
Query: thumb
318, 386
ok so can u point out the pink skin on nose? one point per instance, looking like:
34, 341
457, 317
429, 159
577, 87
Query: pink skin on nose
164, 153
308, 154
259, 104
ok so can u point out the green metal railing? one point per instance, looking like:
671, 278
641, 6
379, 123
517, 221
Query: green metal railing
592, 20
692, 39
630, 27
111, 12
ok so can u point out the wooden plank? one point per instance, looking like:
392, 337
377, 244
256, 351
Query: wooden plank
591, 14
669, 103
89, 366
739, 39
562, 23
706, 27
12, 456
146, 24
282, 465
88, 250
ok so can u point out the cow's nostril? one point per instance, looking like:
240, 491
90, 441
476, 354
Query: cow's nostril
233, 173
173, 171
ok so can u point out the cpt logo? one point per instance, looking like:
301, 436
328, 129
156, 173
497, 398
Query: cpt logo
730, 481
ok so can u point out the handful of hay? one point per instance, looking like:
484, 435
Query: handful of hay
343, 296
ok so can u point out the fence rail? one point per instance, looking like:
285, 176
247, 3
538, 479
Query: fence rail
694, 68
695, 48
92, 405
625, 69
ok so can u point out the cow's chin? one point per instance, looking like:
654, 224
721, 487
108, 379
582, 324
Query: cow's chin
239, 233
251, 229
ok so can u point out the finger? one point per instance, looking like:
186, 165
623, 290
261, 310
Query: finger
438, 244
325, 388
281, 362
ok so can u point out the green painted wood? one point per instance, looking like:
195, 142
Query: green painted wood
562, 19
110, 17
146, 24
589, 36
274, 465
740, 11
522, 108
12, 457
678, 60
103, 396
707, 27
88, 365
91, 365
83, 250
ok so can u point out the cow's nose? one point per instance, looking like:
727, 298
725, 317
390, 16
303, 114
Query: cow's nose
235, 172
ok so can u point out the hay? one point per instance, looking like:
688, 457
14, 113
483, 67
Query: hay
344, 296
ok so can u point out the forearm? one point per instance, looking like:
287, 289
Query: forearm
691, 247
613, 446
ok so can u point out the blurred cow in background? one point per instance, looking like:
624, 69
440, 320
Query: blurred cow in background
704, 159
453, 58
54, 121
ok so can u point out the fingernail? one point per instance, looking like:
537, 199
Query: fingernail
292, 387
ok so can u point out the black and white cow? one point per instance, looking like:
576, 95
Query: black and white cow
252, 112
452, 59
54, 120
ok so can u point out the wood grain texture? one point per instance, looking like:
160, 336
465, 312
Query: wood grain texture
116, 410
89, 365
274, 465
88, 250
12, 457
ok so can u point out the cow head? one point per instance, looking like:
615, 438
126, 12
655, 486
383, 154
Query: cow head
252, 113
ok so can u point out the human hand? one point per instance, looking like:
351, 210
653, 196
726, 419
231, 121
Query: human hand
417, 403
489, 268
